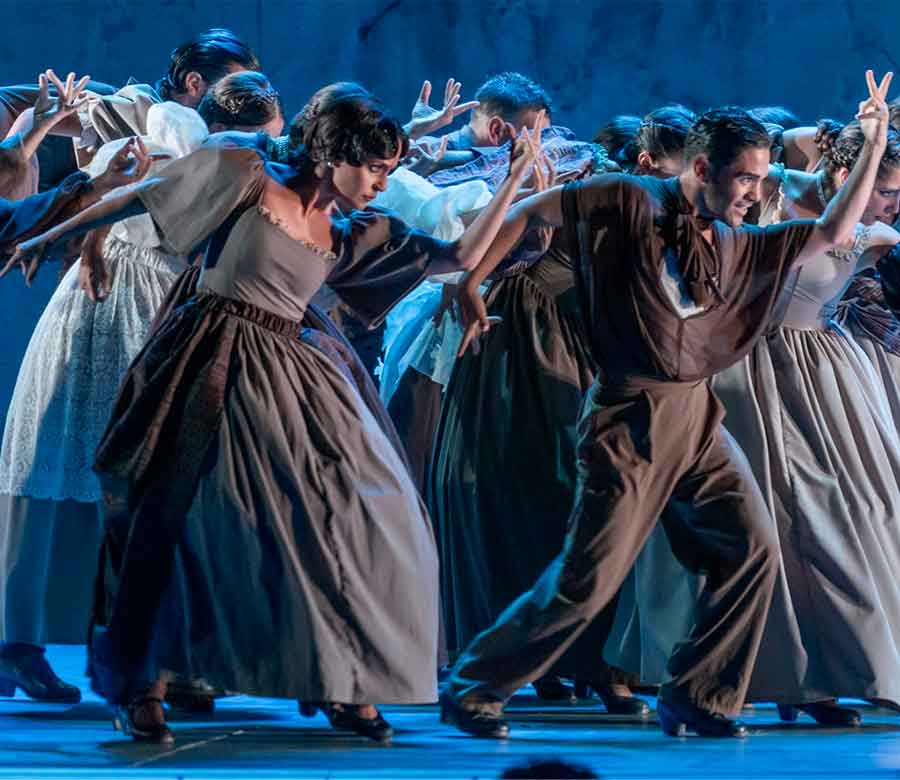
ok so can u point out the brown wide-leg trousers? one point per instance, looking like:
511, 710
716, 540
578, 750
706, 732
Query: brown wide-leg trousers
647, 450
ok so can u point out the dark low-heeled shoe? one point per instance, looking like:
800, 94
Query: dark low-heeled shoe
123, 720
25, 667
679, 717
613, 702
885, 704
344, 719
823, 713
478, 723
554, 689
194, 696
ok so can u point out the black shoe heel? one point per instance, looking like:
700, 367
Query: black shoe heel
25, 667
376, 729
670, 722
615, 705
123, 720
825, 714
679, 716
478, 724
554, 689
788, 713
7, 687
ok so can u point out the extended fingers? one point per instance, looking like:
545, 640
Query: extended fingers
442, 149
885, 85
425, 92
551, 169
54, 79
79, 88
13, 261
463, 107
870, 83
470, 334
451, 90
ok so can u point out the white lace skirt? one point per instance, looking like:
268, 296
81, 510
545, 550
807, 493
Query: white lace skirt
70, 375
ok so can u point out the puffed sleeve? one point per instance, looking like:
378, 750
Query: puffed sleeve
192, 196
380, 260
105, 118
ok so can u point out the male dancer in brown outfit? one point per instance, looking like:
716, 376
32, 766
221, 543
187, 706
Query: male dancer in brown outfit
674, 289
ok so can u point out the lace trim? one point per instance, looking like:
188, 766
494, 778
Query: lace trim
775, 214
861, 242
279, 223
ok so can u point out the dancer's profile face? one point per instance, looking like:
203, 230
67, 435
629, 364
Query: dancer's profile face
884, 203
356, 186
731, 190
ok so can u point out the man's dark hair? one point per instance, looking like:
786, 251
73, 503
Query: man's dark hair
548, 769
509, 94
210, 54
776, 115
722, 134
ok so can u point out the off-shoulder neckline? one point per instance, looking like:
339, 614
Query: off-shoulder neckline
274, 220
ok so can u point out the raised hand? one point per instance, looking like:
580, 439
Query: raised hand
127, 166
426, 119
422, 158
873, 114
526, 149
49, 110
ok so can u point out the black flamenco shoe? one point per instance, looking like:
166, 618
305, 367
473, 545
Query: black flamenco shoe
823, 713
885, 704
157, 734
193, 696
553, 689
25, 667
474, 722
677, 718
343, 719
614, 703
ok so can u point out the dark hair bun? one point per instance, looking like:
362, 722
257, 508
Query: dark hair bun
827, 132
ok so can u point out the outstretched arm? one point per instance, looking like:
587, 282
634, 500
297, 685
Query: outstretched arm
543, 209
838, 223
467, 251
127, 167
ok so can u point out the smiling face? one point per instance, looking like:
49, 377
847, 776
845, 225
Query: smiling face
728, 193
355, 186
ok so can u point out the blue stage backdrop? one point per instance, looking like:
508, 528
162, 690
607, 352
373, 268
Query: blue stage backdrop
596, 58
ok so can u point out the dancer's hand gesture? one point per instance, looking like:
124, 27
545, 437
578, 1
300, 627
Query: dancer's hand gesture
93, 272
30, 255
426, 119
525, 150
423, 158
127, 166
50, 111
474, 319
873, 114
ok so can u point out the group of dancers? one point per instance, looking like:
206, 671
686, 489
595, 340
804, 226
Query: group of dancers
631, 419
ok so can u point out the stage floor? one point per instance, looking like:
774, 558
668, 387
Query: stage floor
265, 738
